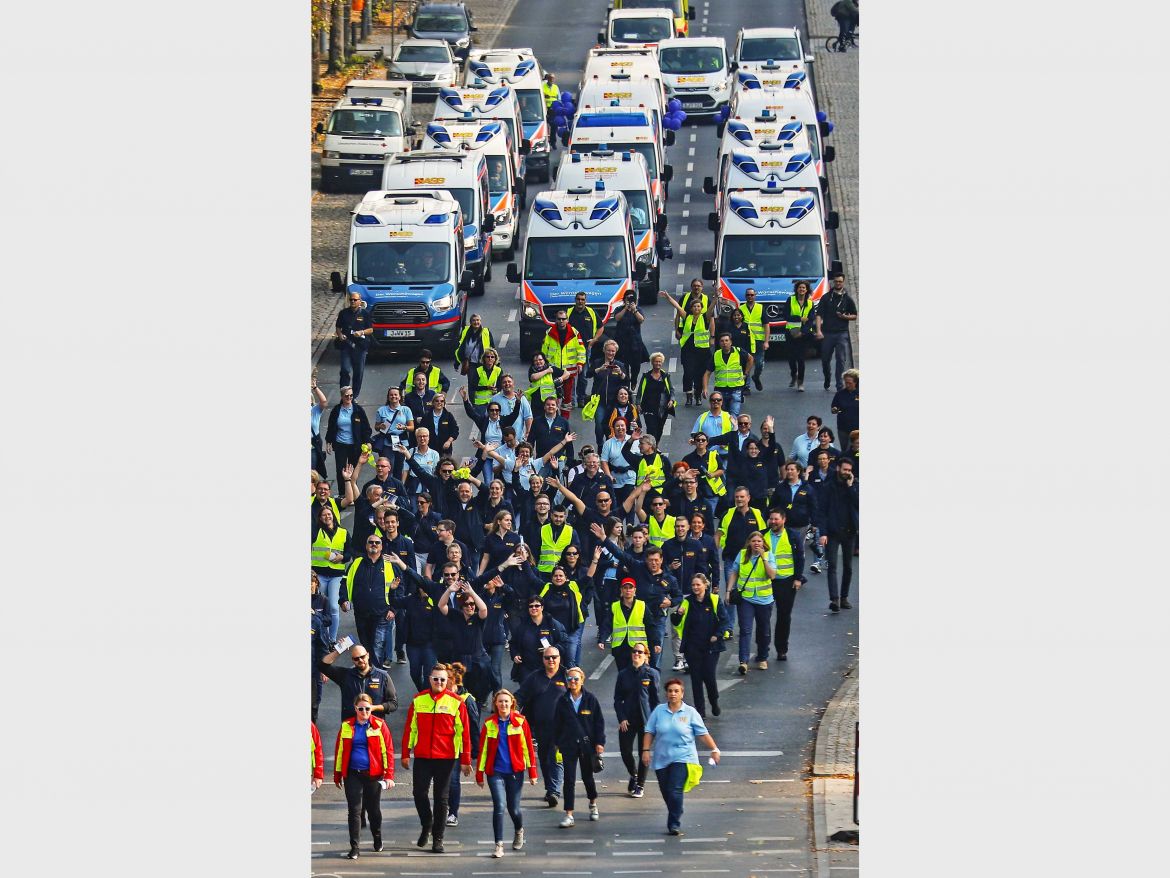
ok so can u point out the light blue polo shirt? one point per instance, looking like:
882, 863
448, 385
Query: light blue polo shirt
674, 734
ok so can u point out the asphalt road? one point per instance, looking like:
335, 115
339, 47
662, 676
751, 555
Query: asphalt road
751, 814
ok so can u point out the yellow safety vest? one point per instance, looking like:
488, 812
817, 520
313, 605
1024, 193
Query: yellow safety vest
572, 584
699, 329
551, 92
686, 606
371, 733
424, 703
485, 339
780, 548
752, 578
659, 534
723, 522
566, 357
631, 630
728, 372
543, 388
797, 316
715, 483
551, 549
387, 572
654, 472
487, 384
432, 379
332, 505
755, 321
322, 544
492, 733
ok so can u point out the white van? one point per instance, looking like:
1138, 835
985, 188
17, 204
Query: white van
754, 115
519, 68
625, 90
695, 70
469, 104
755, 46
637, 27
371, 121
606, 170
622, 129
505, 188
786, 162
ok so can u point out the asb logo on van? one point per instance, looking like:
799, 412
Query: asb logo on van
429, 181
616, 95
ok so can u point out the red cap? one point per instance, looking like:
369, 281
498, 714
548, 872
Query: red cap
630, 581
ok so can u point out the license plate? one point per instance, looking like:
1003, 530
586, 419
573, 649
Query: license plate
776, 336
692, 105
399, 333
361, 172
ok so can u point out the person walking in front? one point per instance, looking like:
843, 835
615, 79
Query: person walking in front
749, 587
635, 695
363, 767
703, 625
669, 748
579, 732
833, 314
437, 732
537, 697
505, 754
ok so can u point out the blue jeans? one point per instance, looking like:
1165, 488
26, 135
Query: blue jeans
551, 770
670, 783
352, 360
505, 787
571, 648
422, 659
330, 586
376, 634
656, 628
759, 615
732, 400
454, 794
497, 653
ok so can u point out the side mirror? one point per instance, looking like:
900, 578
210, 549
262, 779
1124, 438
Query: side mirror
669, 138
734, 66
824, 128
713, 222
835, 266
708, 185
466, 280
489, 222
690, 13
512, 273
473, 29
639, 271
828, 153
667, 173
320, 127
833, 220
808, 59
601, 37
708, 270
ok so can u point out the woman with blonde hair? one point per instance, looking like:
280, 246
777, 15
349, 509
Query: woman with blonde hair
579, 732
455, 673
655, 396
505, 754
363, 767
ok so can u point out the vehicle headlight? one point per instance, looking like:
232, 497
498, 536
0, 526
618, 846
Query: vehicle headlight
463, 42
667, 88
504, 218
443, 303
330, 154
394, 73
530, 311
647, 257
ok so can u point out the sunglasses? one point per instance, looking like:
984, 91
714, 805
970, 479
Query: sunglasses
362, 657
535, 606
364, 709
640, 652
573, 679
438, 679
551, 658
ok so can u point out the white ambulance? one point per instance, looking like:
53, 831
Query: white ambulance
755, 115
767, 241
371, 121
624, 90
605, 170
469, 104
637, 62
577, 240
519, 68
695, 70
406, 259
637, 27
622, 129
506, 191
465, 176
783, 163
757, 46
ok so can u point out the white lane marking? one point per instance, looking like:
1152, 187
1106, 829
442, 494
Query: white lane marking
682, 268
774, 838
637, 871
570, 840
694, 137
683, 230
321, 842
637, 853
601, 669
690, 180
691, 871
671, 366
686, 213
704, 28
493, 873
400, 873
693, 840
513, 854
690, 150
639, 841
678, 288
687, 199
504, 338
775, 780
512, 316
429, 854
777, 851
666, 427
690, 168
682, 249
566, 873
724, 685
752, 753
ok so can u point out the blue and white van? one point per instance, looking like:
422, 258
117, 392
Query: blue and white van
519, 68
623, 129
471, 104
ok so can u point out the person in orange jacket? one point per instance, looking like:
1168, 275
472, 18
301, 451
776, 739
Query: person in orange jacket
438, 732
316, 759
364, 765
505, 753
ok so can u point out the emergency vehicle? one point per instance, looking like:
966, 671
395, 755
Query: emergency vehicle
371, 121
757, 115
626, 173
696, 72
625, 90
506, 191
783, 163
406, 259
519, 68
467, 104
465, 176
684, 13
577, 240
767, 240
622, 129
637, 27
759, 46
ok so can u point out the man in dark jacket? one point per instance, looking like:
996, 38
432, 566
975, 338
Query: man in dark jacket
549, 430
362, 677
635, 694
537, 698
847, 14
468, 524
532, 636
368, 586
784, 588
837, 521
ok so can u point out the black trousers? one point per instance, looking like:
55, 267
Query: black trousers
844, 542
785, 594
570, 762
795, 350
343, 454
363, 793
439, 771
626, 744
694, 363
654, 425
703, 666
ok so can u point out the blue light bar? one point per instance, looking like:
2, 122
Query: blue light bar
609, 120
365, 219
438, 133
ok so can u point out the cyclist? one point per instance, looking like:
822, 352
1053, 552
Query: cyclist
847, 14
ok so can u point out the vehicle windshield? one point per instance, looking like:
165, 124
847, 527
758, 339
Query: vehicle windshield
531, 104
575, 258
645, 150
440, 21
770, 49
691, 59
639, 209
428, 54
497, 173
401, 262
466, 199
752, 256
676, 5
384, 122
642, 30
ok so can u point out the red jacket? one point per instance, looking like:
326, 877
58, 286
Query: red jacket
519, 745
437, 728
381, 747
317, 757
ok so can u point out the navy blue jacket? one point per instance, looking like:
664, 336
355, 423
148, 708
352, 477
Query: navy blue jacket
635, 694
693, 555
801, 508
377, 684
650, 588
526, 643
703, 621
576, 731
499, 606
418, 620
839, 512
537, 698
366, 589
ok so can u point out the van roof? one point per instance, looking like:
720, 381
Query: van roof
508, 66
419, 41
437, 161
577, 208
648, 12
773, 164
466, 135
696, 42
751, 33
760, 209
781, 101
405, 208
782, 75
607, 164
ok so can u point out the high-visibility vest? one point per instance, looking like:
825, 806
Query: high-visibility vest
780, 548
487, 384
654, 472
563, 356
659, 534
322, 544
485, 338
729, 371
797, 315
716, 483
491, 732
752, 578
726, 425
425, 703
432, 379
697, 327
551, 549
387, 572
544, 388
551, 92
631, 630
572, 584
689, 297
754, 320
332, 505
686, 606
723, 522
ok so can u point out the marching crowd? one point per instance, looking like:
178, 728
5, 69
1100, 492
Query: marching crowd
491, 575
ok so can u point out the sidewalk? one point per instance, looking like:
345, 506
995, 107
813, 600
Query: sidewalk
833, 778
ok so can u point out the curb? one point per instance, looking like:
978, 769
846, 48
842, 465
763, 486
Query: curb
834, 752
832, 775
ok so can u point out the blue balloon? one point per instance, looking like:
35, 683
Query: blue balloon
674, 105
559, 122
724, 113
831, 126
821, 116
567, 97
671, 123
681, 115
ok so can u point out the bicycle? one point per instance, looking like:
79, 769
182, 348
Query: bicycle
833, 44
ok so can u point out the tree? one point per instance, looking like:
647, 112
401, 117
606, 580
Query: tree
336, 35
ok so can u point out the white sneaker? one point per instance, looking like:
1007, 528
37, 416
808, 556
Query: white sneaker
518, 840
593, 813
678, 664
452, 820
567, 821
815, 566
499, 850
